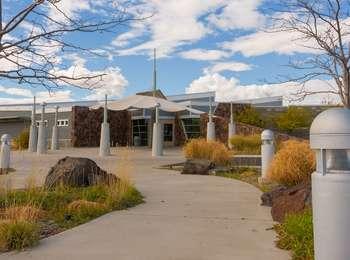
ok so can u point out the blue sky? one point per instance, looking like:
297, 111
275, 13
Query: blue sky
203, 45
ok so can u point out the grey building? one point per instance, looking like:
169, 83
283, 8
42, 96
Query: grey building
15, 118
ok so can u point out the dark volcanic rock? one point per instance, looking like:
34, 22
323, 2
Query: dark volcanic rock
198, 167
77, 172
292, 200
267, 198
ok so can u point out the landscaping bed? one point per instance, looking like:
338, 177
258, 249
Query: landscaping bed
35, 213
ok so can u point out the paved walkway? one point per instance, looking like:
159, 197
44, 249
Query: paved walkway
184, 217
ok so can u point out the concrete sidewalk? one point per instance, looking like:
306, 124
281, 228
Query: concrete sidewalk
184, 218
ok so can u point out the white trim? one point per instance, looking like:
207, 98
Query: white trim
189, 116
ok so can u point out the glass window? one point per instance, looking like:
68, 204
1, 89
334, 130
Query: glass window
338, 160
140, 132
168, 132
192, 127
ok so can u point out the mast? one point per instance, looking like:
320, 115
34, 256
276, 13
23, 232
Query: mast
154, 72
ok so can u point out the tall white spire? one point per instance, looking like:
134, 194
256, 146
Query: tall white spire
154, 72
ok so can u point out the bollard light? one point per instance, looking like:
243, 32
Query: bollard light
267, 152
5, 153
330, 138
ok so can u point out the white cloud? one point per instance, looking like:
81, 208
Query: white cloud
203, 55
238, 14
41, 96
230, 89
111, 83
181, 22
262, 42
228, 66
22, 92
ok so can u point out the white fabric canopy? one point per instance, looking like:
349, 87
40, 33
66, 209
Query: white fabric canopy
147, 102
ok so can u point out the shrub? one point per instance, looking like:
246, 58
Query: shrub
250, 144
212, 150
18, 235
293, 163
250, 116
23, 213
21, 142
293, 118
296, 234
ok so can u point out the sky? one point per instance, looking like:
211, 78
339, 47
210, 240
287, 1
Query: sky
202, 45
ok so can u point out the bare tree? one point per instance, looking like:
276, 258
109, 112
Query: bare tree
323, 26
35, 34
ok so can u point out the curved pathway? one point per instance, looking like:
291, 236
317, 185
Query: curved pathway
184, 217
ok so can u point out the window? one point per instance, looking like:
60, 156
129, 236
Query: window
168, 132
62, 122
140, 132
192, 127
38, 122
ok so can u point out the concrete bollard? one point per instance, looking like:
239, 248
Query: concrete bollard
330, 138
42, 135
210, 124
105, 146
33, 132
5, 153
157, 138
231, 128
54, 137
267, 152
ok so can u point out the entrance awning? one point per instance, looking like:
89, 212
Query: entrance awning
146, 102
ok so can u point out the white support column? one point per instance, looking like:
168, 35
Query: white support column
211, 124
33, 131
267, 153
157, 140
54, 138
105, 146
5, 153
42, 135
231, 128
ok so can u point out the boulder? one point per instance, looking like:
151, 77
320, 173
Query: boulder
291, 200
77, 172
267, 198
198, 167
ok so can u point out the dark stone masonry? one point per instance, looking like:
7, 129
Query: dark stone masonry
86, 127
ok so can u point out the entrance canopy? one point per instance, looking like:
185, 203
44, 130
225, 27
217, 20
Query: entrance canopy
147, 102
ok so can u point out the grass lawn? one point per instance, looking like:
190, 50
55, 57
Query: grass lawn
30, 214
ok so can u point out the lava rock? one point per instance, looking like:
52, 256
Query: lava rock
292, 200
267, 198
198, 167
77, 172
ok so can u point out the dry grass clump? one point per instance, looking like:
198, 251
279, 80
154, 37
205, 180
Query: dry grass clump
28, 213
78, 205
293, 163
209, 150
17, 235
249, 144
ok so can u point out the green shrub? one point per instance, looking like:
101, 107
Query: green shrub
250, 144
292, 164
293, 118
250, 116
18, 235
21, 142
296, 234
213, 151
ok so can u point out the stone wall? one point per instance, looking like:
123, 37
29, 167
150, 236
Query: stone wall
86, 127
179, 134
